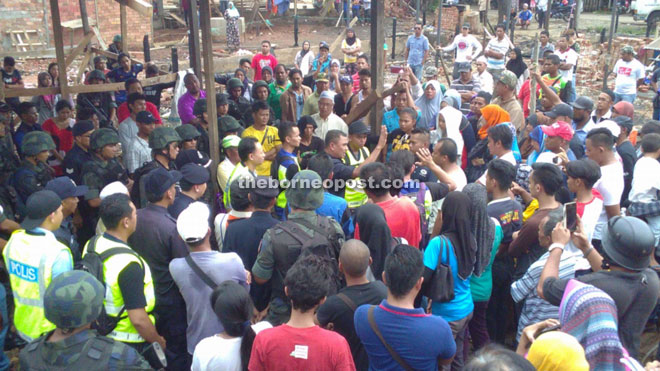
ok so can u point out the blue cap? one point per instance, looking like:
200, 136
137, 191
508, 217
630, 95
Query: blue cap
65, 187
160, 180
194, 174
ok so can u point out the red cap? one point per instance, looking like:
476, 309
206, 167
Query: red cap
559, 129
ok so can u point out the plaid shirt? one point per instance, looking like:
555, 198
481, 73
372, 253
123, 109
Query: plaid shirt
644, 209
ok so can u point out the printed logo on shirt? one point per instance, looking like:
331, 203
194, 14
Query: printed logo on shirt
509, 217
625, 71
264, 63
300, 351
462, 45
23, 271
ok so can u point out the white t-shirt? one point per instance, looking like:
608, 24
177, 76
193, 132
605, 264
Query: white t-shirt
570, 57
646, 182
627, 74
610, 186
498, 46
459, 178
486, 81
218, 354
465, 46
508, 157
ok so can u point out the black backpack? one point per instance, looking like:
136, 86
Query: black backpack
92, 263
138, 192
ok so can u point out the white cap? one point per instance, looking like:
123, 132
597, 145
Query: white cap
612, 126
327, 95
482, 59
193, 222
113, 188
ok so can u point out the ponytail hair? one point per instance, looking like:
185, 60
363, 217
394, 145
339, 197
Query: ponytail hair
232, 304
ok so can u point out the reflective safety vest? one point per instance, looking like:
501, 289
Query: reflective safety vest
29, 259
114, 301
354, 195
238, 170
281, 175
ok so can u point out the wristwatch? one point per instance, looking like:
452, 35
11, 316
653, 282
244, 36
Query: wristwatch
556, 245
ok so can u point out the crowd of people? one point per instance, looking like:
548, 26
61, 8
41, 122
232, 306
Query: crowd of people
469, 230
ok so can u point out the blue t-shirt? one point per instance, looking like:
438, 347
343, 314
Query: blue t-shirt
462, 304
391, 119
525, 15
335, 208
420, 339
119, 75
417, 46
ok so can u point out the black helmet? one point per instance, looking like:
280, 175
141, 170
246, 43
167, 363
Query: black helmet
628, 242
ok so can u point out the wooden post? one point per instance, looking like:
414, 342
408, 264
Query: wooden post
376, 42
59, 47
576, 14
46, 25
532, 83
209, 82
83, 16
546, 21
124, 27
193, 39
606, 71
438, 34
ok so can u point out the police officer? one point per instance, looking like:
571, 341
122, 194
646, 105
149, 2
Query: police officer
72, 302
189, 136
80, 153
305, 195
229, 126
34, 173
194, 179
356, 154
201, 123
69, 192
34, 257
129, 290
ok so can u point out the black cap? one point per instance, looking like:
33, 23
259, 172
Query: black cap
561, 109
38, 206
145, 117
194, 174
192, 156
221, 99
65, 187
625, 122
81, 127
583, 103
160, 180
358, 127
324, 44
238, 191
463, 67
533, 120
265, 186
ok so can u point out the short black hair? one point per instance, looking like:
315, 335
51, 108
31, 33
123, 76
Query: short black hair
409, 111
586, 169
122, 55
265, 41
501, 133
485, 95
285, 129
84, 113
364, 72
151, 69
448, 148
247, 146
546, 33
114, 208
185, 185
375, 174
496, 357
294, 71
99, 58
500, 25
651, 126
188, 76
9, 61
133, 97
601, 137
553, 58
62, 104
549, 176
308, 282
609, 92
332, 135
363, 56
651, 143
396, 174
403, 268
244, 60
130, 82
503, 172
24, 107
259, 106
403, 158
279, 65
321, 164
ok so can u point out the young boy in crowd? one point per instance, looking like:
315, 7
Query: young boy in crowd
399, 138
525, 17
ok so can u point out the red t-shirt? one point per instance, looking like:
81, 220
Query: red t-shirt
123, 112
65, 135
260, 61
402, 217
287, 348
525, 96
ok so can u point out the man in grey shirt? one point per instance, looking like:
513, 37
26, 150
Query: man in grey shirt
196, 285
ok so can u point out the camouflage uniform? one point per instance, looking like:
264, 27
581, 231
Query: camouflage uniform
73, 300
29, 177
272, 261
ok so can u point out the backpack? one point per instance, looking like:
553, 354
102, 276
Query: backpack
92, 263
138, 192
324, 242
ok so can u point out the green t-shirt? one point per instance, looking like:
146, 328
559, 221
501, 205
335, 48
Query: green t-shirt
481, 287
274, 98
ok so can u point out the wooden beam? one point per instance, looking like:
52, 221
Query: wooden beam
178, 19
377, 39
214, 139
97, 88
83, 64
193, 40
59, 47
83, 16
364, 107
99, 38
144, 8
124, 26
30, 92
78, 49
108, 54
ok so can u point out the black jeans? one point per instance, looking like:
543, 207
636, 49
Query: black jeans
171, 323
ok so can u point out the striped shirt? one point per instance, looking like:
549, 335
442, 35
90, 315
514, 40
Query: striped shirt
499, 46
471, 86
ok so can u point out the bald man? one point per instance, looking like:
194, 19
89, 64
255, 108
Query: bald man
337, 312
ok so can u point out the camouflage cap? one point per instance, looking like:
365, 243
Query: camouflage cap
234, 83
628, 49
102, 137
199, 107
187, 132
35, 142
509, 79
73, 299
162, 136
306, 191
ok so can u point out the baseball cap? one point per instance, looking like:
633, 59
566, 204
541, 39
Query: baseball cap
81, 127
265, 186
194, 174
610, 125
346, 80
509, 79
358, 127
464, 67
561, 109
112, 189
625, 122
192, 156
430, 71
322, 77
230, 141
160, 180
532, 120
628, 49
559, 129
584, 103
145, 117
466, 25
38, 206
64, 187
193, 222
323, 45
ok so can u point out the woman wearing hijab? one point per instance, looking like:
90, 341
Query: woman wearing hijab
466, 139
351, 47
488, 234
623, 109
429, 104
233, 35
45, 103
557, 351
267, 74
517, 66
304, 58
376, 235
479, 155
447, 125
457, 248
247, 86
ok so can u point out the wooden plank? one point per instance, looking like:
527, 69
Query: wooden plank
83, 64
27, 38
162, 79
178, 19
59, 47
99, 38
144, 8
377, 39
124, 26
78, 49
108, 54
98, 88
31, 92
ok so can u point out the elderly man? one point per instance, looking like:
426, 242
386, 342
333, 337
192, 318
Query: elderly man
187, 100
311, 106
466, 85
505, 90
325, 119
484, 77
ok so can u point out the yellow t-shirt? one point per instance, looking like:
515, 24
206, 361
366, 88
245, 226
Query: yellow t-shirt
271, 140
351, 58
